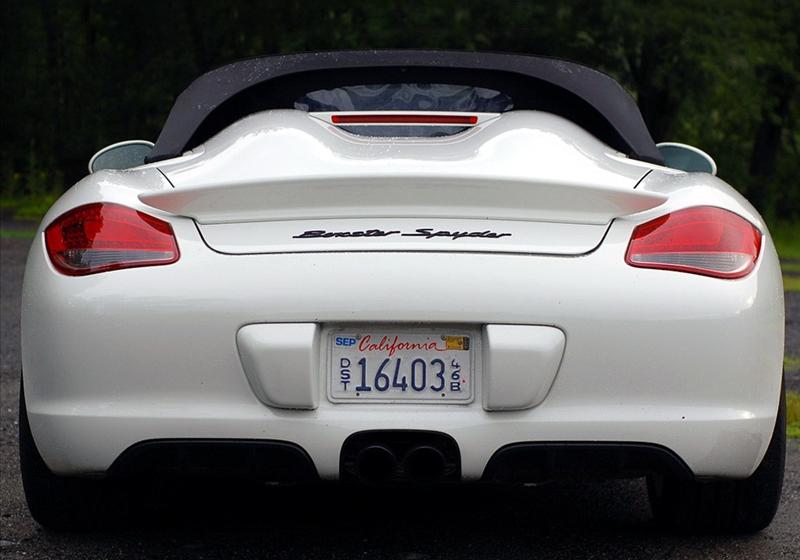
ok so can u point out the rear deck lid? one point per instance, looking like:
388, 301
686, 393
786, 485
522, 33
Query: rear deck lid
286, 181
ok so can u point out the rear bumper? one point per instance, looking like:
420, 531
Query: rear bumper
89, 444
684, 362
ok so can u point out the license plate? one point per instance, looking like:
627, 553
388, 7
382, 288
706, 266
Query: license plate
401, 366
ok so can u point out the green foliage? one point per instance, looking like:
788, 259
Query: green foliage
724, 76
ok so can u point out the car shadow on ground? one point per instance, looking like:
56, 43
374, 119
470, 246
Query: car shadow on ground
607, 518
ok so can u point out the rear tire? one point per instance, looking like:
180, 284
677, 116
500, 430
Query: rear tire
62, 503
725, 506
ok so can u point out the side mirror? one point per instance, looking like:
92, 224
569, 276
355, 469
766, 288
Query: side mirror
686, 158
121, 155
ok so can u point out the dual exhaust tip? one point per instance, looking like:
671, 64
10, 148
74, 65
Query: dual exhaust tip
378, 463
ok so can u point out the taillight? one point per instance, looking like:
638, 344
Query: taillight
100, 237
702, 240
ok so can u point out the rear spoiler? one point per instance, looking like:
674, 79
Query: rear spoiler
456, 196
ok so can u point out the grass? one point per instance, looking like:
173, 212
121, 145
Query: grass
792, 364
31, 208
793, 414
786, 236
791, 283
17, 233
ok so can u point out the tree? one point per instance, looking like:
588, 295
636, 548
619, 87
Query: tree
721, 75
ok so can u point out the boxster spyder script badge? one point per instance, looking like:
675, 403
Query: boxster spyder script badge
427, 233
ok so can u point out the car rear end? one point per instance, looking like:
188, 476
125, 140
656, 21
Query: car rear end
501, 297
407, 292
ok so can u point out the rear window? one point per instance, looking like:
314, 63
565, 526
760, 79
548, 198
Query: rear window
405, 97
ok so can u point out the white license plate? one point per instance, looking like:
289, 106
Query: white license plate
401, 366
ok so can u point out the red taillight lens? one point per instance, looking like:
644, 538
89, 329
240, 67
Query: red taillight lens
100, 237
703, 240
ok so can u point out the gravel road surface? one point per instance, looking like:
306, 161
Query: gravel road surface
560, 520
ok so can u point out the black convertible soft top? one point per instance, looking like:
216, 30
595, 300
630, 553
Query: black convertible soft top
589, 98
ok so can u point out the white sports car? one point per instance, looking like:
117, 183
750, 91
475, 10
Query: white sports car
405, 267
